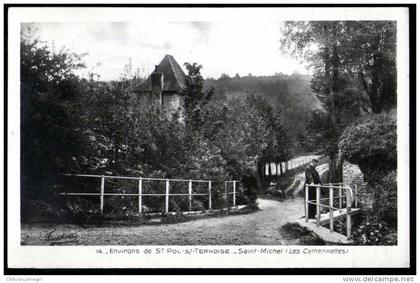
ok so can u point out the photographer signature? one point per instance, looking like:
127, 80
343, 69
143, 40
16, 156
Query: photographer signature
50, 236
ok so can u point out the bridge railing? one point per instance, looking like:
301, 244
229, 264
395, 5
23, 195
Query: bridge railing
230, 188
347, 200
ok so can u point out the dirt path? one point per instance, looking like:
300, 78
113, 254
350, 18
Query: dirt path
258, 228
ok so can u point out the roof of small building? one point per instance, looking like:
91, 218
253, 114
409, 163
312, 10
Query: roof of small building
173, 75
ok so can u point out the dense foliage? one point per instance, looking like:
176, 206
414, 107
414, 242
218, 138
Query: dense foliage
354, 77
374, 232
84, 125
379, 225
372, 145
52, 129
354, 74
289, 94
347, 55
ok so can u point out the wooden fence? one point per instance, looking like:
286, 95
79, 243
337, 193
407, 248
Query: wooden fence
347, 204
230, 188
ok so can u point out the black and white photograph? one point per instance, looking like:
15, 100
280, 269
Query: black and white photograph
235, 132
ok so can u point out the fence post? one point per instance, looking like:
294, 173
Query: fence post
101, 200
209, 195
318, 207
140, 195
234, 193
306, 203
189, 194
355, 195
348, 222
331, 208
226, 195
340, 199
348, 216
348, 199
167, 197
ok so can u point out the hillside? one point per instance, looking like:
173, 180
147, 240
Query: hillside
291, 94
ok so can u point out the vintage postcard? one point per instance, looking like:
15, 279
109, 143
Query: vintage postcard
208, 137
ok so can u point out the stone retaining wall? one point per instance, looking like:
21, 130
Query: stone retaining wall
354, 177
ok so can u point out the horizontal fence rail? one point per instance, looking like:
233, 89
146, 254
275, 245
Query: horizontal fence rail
230, 188
347, 200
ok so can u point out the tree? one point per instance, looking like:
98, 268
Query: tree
106, 108
51, 130
195, 98
224, 77
375, 63
350, 61
247, 133
360, 52
290, 96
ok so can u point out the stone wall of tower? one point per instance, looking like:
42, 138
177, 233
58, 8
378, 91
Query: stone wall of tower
157, 85
171, 103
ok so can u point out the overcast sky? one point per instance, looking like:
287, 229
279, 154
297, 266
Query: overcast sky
221, 47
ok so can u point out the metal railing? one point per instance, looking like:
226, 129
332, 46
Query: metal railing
140, 194
350, 198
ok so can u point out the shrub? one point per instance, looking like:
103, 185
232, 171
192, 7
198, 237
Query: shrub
42, 211
250, 183
241, 199
372, 145
374, 232
197, 205
385, 199
89, 218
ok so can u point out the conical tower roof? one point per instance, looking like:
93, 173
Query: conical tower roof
173, 75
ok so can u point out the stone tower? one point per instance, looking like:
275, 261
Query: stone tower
165, 84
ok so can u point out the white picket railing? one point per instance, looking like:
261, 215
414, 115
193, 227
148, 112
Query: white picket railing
167, 193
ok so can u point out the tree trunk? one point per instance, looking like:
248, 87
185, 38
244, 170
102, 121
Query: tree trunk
331, 170
261, 170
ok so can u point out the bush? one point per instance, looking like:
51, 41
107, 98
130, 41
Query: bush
372, 145
385, 204
374, 232
42, 211
250, 183
197, 205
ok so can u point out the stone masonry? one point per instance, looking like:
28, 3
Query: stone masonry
354, 177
